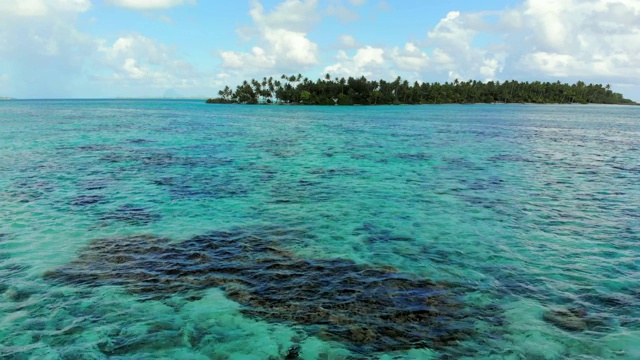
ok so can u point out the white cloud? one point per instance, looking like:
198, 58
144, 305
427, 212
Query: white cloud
149, 4
343, 13
452, 36
46, 55
367, 61
42, 52
137, 61
292, 15
282, 39
256, 59
368, 55
292, 46
410, 58
453, 52
554, 31
348, 42
41, 47
490, 68
447, 53
548, 40
133, 71
40, 8
136, 46
550, 63
380, 62
589, 38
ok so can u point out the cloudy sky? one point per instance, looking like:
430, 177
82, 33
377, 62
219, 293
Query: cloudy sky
112, 48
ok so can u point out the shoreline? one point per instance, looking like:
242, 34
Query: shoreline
367, 105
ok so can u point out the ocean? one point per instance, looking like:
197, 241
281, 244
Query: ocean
175, 229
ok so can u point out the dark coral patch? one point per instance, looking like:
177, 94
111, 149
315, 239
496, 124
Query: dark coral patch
139, 141
131, 214
86, 200
573, 319
375, 234
96, 184
414, 156
510, 158
366, 308
201, 187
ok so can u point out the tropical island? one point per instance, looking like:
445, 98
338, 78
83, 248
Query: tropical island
296, 89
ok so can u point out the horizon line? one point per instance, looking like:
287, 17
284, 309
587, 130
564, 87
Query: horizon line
109, 98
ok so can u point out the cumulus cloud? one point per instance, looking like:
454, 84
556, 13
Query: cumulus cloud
39, 8
410, 58
282, 42
292, 15
446, 53
542, 39
378, 62
348, 42
256, 59
567, 40
135, 60
454, 54
149, 4
366, 61
590, 38
343, 13
42, 52
41, 47
45, 55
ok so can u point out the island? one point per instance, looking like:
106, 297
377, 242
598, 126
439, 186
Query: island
296, 89
6, 98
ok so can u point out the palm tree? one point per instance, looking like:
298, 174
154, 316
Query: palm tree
362, 91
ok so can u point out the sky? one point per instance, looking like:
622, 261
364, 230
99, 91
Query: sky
193, 48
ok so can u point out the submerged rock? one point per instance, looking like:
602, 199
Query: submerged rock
139, 141
95, 184
573, 319
16, 295
510, 158
367, 308
293, 353
375, 234
86, 200
414, 156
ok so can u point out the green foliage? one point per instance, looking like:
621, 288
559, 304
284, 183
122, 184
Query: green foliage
296, 89
305, 96
344, 100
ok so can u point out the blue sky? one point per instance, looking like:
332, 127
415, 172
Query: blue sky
148, 48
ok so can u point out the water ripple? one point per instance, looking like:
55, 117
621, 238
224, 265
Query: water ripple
525, 216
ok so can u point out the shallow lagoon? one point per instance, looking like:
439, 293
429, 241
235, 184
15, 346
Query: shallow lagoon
172, 229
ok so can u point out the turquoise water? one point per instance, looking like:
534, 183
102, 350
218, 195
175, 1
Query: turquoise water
175, 229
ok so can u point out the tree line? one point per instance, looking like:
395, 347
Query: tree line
296, 89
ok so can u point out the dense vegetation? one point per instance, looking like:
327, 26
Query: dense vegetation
360, 91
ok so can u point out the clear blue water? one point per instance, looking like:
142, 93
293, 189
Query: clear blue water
521, 223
